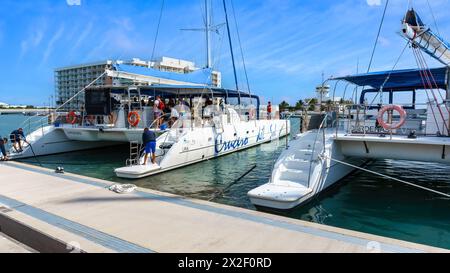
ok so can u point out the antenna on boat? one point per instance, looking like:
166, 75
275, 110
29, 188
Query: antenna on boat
209, 27
208, 37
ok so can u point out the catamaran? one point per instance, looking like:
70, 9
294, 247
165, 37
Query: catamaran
204, 121
378, 126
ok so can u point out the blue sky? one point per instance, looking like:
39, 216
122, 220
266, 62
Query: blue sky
287, 43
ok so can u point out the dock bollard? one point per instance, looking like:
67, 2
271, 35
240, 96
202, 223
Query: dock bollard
59, 170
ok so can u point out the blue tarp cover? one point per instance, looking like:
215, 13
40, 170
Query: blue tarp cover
398, 79
202, 76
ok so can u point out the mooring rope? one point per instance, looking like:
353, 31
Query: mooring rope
388, 177
221, 192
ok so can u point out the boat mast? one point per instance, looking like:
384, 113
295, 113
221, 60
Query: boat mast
231, 48
208, 37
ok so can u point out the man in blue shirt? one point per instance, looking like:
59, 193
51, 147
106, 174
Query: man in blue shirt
16, 138
2, 148
149, 140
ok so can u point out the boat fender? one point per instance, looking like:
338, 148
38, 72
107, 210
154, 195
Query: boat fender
134, 118
72, 117
392, 126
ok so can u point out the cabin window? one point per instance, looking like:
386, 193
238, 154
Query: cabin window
403, 98
372, 99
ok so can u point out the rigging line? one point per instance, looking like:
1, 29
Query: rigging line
157, 30
390, 73
434, 80
231, 46
426, 90
240, 46
69, 100
434, 18
423, 63
388, 177
378, 36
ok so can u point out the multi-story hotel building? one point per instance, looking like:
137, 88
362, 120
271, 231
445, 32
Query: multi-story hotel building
70, 80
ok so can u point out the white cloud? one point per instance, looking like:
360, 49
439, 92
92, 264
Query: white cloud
384, 41
83, 36
73, 2
52, 42
373, 2
34, 40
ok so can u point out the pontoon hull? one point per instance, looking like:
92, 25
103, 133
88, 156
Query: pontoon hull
51, 140
426, 149
299, 176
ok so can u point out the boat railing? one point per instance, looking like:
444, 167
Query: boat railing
319, 139
361, 119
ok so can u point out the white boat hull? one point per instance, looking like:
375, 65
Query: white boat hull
298, 176
200, 144
423, 148
103, 134
52, 140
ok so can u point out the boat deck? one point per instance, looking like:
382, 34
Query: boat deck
71, 210
426, 140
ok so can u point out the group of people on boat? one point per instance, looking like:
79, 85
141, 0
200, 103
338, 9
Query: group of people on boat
167, 111
16, 137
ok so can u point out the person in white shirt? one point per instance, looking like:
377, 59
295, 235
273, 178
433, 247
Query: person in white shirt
174, 115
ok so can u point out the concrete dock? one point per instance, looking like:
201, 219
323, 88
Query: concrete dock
70, 213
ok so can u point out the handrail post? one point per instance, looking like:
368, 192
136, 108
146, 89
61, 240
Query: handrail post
287, 140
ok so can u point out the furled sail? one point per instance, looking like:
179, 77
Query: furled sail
414, 30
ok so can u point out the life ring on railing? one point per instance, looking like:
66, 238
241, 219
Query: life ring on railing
392, 126
72, 117
134, 118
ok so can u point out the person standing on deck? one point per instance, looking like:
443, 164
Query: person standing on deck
156, 111
269, 110
3, 149
174, 115
149, 141
16, 138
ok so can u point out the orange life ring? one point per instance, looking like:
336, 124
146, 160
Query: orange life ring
134, 118
392, 126
72, 117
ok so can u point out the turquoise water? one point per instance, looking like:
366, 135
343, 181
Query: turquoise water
360, 202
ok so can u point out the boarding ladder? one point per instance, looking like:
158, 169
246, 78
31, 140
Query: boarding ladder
135, 153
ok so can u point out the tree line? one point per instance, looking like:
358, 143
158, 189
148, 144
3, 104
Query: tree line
309, 105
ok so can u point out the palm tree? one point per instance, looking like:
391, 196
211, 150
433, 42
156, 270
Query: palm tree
283, 106
299, 105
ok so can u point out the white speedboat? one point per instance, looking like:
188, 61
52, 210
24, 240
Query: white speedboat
352, 134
